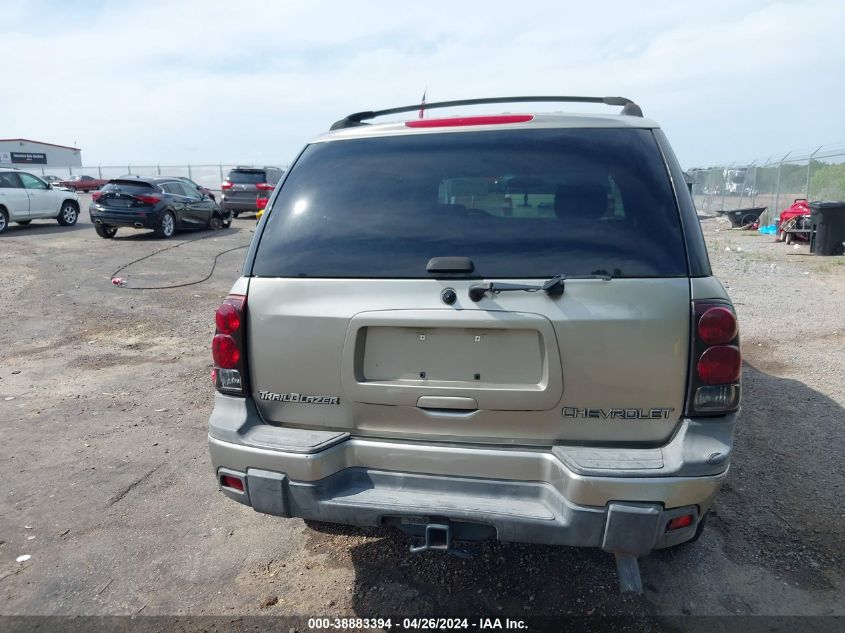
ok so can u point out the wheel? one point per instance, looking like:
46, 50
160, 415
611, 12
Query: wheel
215, 223
790, 237
69, 214
227, 224
24, 222
235, 214
105, 231
4, 220
167, 225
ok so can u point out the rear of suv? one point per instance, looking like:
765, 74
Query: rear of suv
481, 327
246, 188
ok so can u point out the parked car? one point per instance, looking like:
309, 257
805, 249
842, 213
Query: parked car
796, 216
400, 351
51, 180
203, 190
164, 205
25, 197
244, 185
81, 183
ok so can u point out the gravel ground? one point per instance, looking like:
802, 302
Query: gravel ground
105, 394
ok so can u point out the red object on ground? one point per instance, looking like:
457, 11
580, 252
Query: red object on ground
796, 209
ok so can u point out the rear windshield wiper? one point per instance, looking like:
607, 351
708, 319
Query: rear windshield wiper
553, 287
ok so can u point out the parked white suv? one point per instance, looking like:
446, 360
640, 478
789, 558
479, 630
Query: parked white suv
24, 198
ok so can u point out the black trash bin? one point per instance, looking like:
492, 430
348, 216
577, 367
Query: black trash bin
828, 219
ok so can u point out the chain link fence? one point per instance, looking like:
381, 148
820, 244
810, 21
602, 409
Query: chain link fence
209, 176
774, 182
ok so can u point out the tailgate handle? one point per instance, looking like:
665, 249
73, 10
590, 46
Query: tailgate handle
447, 402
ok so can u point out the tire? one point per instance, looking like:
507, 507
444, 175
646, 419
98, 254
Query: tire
215, 222
105, 231
167, 226
748, 219
226, 225
235, 214
24, 222
790, 237
68, 214
4, 220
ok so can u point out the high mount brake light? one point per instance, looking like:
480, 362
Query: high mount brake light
471, 120
228, 348
716, 360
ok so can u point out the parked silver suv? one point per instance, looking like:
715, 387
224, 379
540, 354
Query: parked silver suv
481, 327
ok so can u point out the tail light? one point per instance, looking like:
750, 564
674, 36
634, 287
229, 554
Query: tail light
148, 199
228, 347
226, 186
716, 362
263, 186
261, 203
96, 195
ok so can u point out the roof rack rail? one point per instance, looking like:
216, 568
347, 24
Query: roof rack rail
629, 108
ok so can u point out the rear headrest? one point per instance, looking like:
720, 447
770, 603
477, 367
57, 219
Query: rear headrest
587, 201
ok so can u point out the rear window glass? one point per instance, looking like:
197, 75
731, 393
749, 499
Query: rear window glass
518, 203
246, 177
127, 186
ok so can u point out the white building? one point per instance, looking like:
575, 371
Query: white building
21, 152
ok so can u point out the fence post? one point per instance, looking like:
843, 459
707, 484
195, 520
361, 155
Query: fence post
809, 165
100, 172
190, 175
725, 184
129, 169
158, 168
777, 187
221, 172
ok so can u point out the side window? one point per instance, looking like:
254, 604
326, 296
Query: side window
86, 178
188, 190
173, 187
31, 182
9, 180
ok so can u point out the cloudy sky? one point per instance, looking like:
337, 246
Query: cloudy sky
241, 81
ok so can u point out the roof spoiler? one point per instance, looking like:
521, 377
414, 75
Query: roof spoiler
629, 108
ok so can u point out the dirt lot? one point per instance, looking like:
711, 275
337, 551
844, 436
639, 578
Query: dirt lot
106, 482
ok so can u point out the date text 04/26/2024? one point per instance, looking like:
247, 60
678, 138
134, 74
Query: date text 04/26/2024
481, 624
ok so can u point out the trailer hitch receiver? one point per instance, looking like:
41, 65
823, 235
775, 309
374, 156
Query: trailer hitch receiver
438, 537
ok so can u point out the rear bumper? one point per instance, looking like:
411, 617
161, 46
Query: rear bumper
238, 204
527, 495
136, 220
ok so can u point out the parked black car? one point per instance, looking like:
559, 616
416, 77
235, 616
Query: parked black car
161, 204
244, 185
